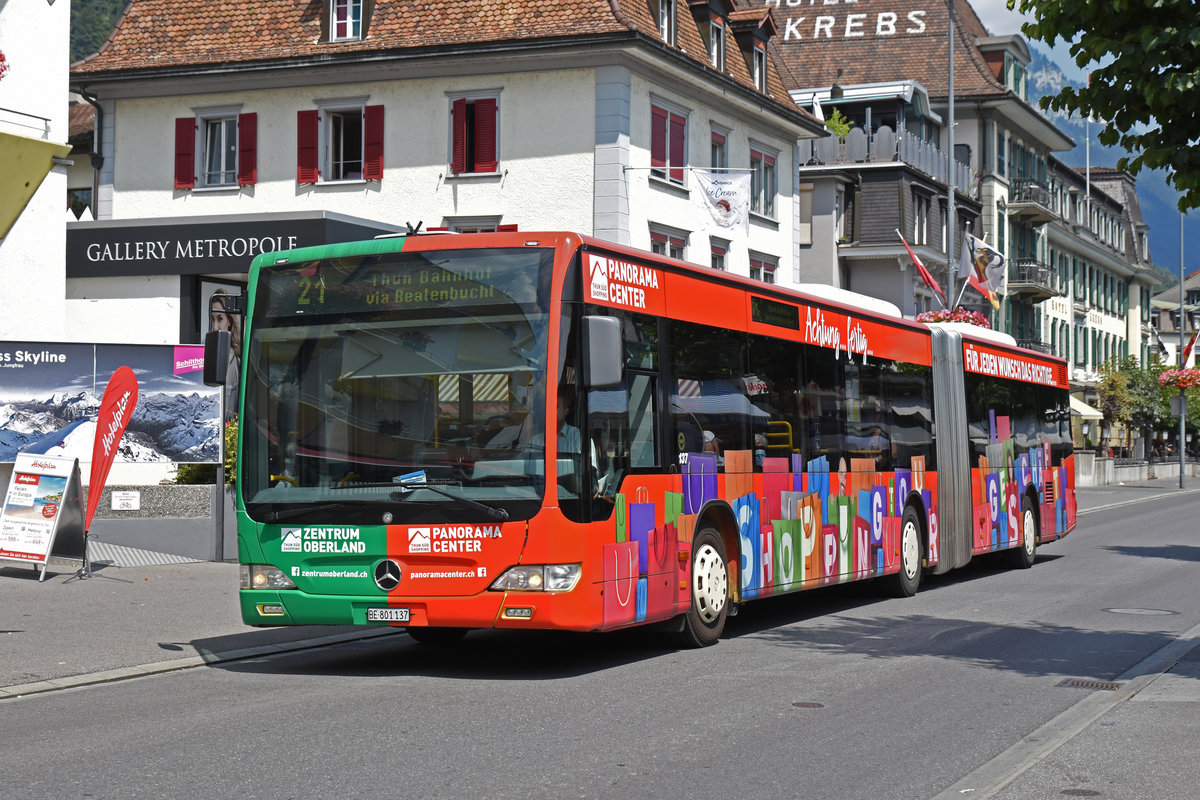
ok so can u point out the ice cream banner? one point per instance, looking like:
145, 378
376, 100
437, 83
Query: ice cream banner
116, 409
42, 504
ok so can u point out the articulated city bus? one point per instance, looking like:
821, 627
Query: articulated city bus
546, 430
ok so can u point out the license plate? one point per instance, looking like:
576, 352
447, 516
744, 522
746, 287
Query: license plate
387, 615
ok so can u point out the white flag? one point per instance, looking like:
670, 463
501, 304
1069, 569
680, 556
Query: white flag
725, 200
983, 262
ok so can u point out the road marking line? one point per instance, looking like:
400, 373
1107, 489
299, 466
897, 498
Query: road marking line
989, 778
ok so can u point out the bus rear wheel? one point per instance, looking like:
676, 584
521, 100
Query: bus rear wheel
1022, 557
906, 582
705, 620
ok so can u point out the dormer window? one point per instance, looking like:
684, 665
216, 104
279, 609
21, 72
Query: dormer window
345, 17
716, 44
664, 14
760, 66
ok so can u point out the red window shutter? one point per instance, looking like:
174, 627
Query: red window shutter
658, 137
307, 164
436, 230
247, 149
718, 138
185, 153
373, 143
485, 135
655, 236
506, 228
678, 125
458, 150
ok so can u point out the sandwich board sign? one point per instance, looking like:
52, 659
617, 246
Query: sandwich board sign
42, 514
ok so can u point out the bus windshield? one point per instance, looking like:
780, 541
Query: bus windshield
397, 386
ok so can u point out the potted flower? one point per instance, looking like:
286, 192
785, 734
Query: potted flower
1179, 378
958, 314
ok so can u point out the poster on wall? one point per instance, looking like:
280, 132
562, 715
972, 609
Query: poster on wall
213, 295
42, 514
50, 395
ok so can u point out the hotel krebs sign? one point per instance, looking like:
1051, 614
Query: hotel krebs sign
810, 20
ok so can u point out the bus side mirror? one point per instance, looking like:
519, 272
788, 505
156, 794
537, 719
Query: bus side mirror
216, 358
603, 349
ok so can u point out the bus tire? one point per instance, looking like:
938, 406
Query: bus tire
436, 636
705, 620
1023, 556
906, 582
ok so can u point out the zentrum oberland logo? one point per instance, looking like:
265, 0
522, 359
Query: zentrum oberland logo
387, 575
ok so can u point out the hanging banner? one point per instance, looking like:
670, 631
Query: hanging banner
116, 409
725, 199
41, 515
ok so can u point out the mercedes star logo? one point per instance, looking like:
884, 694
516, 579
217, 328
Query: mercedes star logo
387, 575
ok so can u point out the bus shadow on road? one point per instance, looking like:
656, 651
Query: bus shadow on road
1173, 552
503, 655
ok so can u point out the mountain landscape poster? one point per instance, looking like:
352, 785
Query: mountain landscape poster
50, 395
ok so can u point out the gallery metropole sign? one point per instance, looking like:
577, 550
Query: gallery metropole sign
199, 245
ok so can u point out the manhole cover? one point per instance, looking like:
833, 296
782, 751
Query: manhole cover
1145, 612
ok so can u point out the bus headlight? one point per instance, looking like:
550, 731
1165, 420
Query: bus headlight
538, 578
264, 576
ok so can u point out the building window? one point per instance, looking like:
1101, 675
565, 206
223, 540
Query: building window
759, 59
720, 152
920, 232
667, 243
668, 143
346, 19
474, 225
474, 135
720, 251
664, 15
716, 44
340, 142
762, 268
763, 184
218, 148
804, 207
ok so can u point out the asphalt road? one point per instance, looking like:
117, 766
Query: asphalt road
958, 692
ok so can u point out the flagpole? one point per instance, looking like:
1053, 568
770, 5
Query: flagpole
1182, 363
951, 222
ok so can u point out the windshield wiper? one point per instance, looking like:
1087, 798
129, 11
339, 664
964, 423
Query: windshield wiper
403, 490
275, 516
495, 513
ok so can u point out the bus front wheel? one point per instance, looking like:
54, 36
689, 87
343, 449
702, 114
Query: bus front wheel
705, 620
906, 582
1022, 556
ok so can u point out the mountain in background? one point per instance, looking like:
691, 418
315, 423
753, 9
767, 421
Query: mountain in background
1157, 199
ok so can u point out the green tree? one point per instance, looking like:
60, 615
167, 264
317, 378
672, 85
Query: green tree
1131, 396
837, 123
91, 23
1147, 89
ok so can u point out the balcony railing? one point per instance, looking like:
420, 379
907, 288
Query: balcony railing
1036, 344
1029, 201
885, 145
1031, 280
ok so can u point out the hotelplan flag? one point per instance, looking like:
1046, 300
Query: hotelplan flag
725, 200
982, 267
116, 409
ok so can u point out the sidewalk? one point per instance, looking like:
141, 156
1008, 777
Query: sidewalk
124, 621
133, 616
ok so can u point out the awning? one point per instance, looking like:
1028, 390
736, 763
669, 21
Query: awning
26, 163
1082, 409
